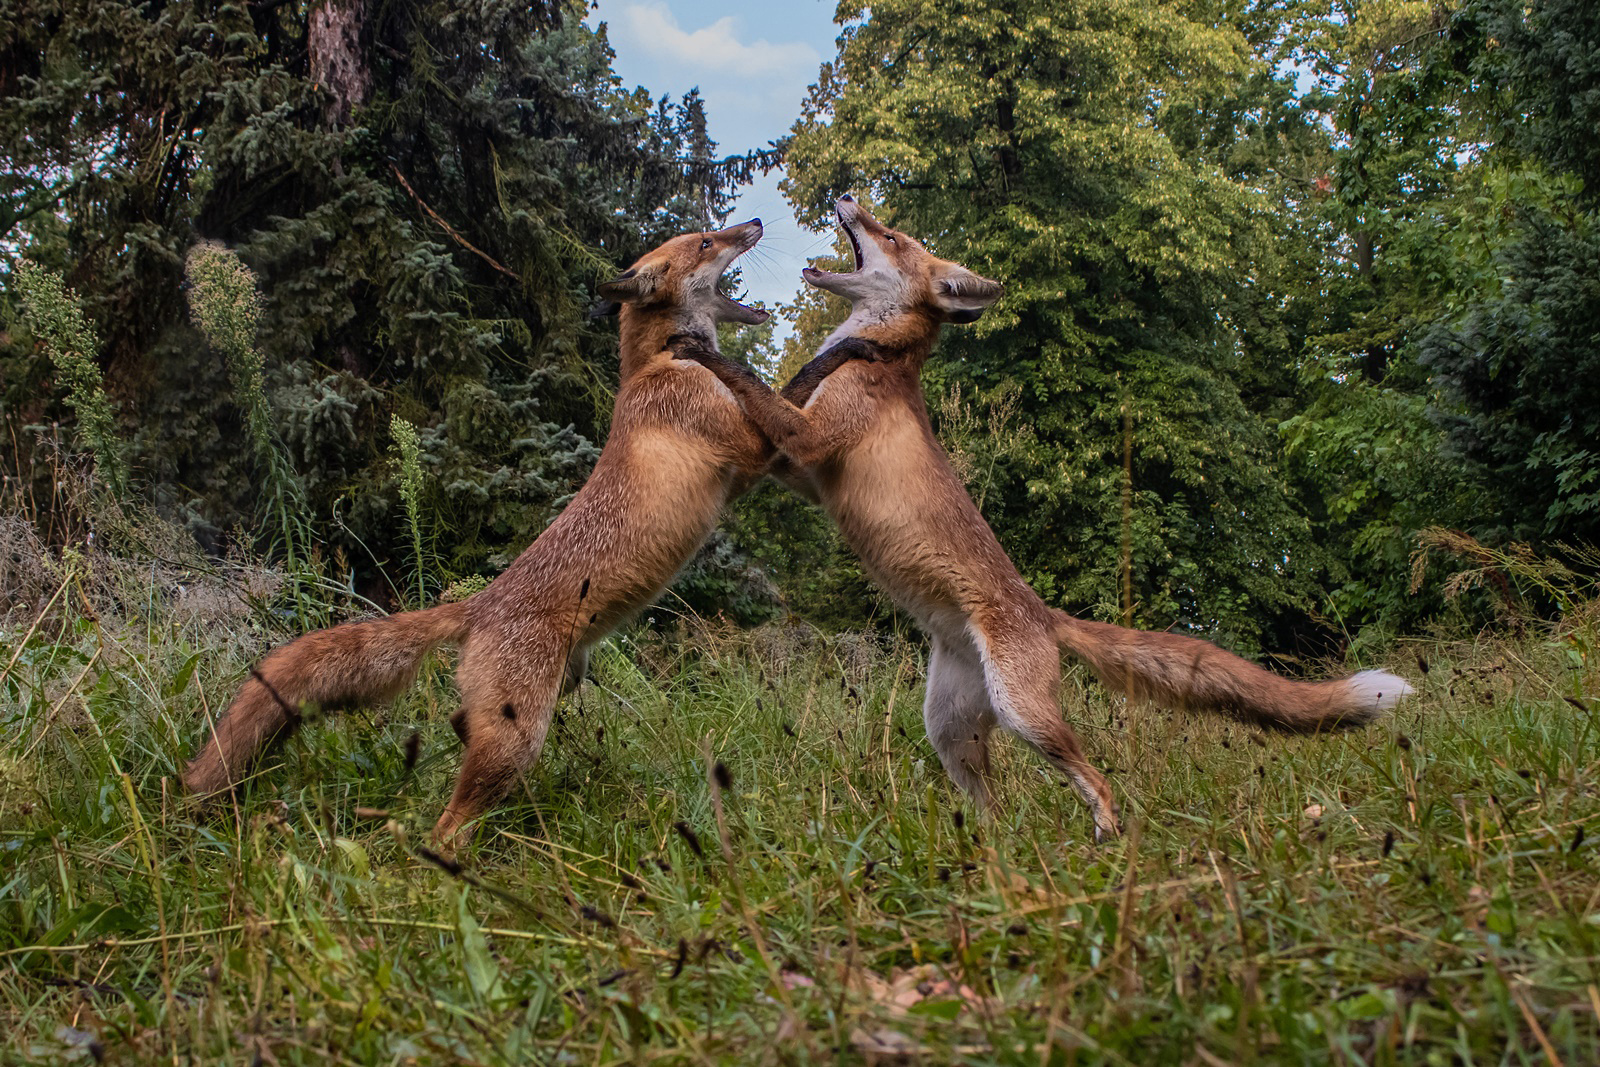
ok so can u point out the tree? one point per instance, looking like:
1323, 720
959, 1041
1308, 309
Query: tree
1367, 271
1037, 142
1518, 352
1447, 359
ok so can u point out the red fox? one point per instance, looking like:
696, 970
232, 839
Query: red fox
865, 442
679, 449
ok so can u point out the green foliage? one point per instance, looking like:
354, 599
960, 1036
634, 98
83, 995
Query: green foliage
1362, 163
408, 464
1436, 346
1524, 584
812, 569
1332, 260
424, 237
1535, 78
1521, 369
52, 312
1515, 356
226, 309
1031, 143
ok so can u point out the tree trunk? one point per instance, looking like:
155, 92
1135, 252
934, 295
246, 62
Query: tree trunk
338, 64
1010, 155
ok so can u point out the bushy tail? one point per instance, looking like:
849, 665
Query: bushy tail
367, 662
1194, 675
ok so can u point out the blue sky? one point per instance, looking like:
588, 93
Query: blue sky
752, 62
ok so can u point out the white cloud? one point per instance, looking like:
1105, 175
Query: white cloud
652, 28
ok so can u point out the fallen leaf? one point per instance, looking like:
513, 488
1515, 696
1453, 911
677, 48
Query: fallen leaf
905, 989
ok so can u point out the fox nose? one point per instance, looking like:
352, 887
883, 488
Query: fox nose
847, 198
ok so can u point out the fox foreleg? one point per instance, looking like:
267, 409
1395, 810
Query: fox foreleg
808, 377
806, 437
785, 425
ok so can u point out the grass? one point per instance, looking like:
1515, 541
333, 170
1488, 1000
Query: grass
1421, 892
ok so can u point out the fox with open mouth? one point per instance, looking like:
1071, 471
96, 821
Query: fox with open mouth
679, 450
865, 443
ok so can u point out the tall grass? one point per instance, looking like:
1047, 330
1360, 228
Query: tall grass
52, 313
738, 847
1524, 584
408, 468
225, 307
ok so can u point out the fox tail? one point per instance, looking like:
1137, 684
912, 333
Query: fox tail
369, 662
1194, 675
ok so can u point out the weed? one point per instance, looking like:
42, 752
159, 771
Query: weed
408, 464
225, 307
51, 311
1527, 587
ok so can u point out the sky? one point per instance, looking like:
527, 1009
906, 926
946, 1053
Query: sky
752, 62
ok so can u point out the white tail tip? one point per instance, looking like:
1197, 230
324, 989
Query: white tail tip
1377, 690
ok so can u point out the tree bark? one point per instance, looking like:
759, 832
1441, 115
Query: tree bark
338, 64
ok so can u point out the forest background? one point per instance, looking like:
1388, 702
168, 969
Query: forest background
1287, 284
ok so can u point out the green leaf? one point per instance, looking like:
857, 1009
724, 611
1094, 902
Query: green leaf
180, 680
483, 973
946, 1008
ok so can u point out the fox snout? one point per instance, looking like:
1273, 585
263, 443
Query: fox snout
746, 234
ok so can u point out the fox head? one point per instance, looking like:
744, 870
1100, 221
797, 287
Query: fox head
898, 286
680, 278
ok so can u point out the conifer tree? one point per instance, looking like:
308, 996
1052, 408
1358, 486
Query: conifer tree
426, 191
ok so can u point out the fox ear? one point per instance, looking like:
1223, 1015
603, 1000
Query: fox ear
633, 285
962, 295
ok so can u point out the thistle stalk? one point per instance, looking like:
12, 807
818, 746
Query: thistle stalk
52, 312
408, 459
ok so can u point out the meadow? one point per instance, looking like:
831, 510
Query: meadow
738, 847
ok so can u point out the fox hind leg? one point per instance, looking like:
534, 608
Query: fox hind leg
1023, 671
507, 703
958, 717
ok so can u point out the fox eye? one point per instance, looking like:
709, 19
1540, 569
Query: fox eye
891, 240
705, 243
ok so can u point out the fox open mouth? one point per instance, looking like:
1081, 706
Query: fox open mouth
819, 277
855, 242
733, 310
739, 312
730, 310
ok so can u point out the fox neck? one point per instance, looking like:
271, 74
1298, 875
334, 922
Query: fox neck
895, 329
644, 332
